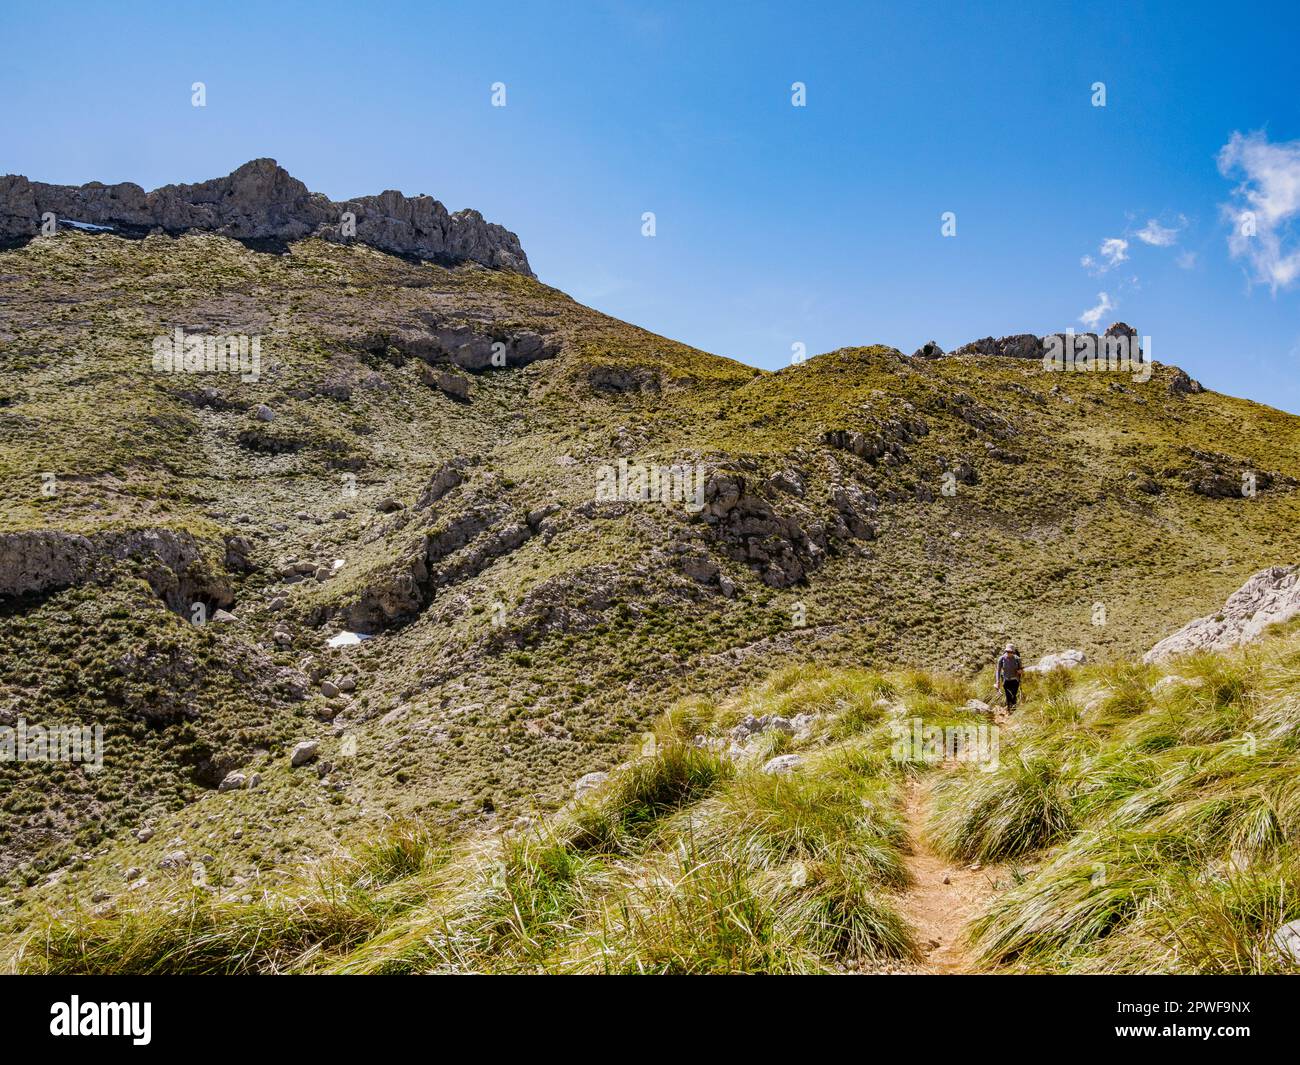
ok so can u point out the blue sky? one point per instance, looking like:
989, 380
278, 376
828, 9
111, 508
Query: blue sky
775, 224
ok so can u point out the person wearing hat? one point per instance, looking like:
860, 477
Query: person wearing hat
1009, 674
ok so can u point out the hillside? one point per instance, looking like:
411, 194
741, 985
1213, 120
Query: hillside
423, 457
1127, 819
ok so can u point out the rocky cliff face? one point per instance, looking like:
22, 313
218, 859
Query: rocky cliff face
262, 201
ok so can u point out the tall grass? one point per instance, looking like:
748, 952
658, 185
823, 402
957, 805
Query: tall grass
682, 861
1164, 822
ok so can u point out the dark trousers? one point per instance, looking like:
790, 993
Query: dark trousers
1012, 688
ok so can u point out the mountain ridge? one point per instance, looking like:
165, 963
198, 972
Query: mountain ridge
261, 201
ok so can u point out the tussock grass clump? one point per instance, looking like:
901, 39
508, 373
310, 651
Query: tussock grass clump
1028, 803
764, 821
629, 805
403, 850
191, 933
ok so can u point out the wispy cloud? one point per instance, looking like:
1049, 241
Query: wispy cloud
1159, 235
1113, 251
1094, 315
1265, 206
1186, 260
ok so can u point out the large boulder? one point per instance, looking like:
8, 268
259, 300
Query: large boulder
1269, 597
1060, 660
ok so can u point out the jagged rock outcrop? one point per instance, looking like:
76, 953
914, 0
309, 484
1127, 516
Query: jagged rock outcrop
261, 201
885, 444
1016, 346
171, 562
464, 346
1181, 384
1269, 597
1029, 346
457, 549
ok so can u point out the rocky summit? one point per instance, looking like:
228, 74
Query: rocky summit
261, 201
323, 536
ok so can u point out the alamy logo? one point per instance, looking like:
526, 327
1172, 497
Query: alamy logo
917, 742
81, 744
75, 1017
652, 484
235, 353
1089, 353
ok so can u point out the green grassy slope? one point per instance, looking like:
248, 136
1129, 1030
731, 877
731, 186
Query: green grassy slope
1075, 490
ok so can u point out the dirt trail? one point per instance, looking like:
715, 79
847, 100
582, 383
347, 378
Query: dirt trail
939, 911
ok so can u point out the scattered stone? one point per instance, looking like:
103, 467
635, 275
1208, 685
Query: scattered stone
233, 781
753, 726
329, 689
589, 783
784, 763
224, 617
1286, 941
304, 752
144, 835
803, 725
449, 384
263, 413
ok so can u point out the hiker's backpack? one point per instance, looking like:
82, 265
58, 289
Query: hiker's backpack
1010, 666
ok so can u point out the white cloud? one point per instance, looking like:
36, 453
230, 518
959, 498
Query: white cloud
1114, 250
1265, 206
1093, 315
1186, 260
1161, 236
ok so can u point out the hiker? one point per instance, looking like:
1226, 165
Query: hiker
1009, 673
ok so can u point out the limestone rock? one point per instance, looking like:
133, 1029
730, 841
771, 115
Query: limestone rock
1063, 660
589, 783
784, 763
261, 201
1267, 598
